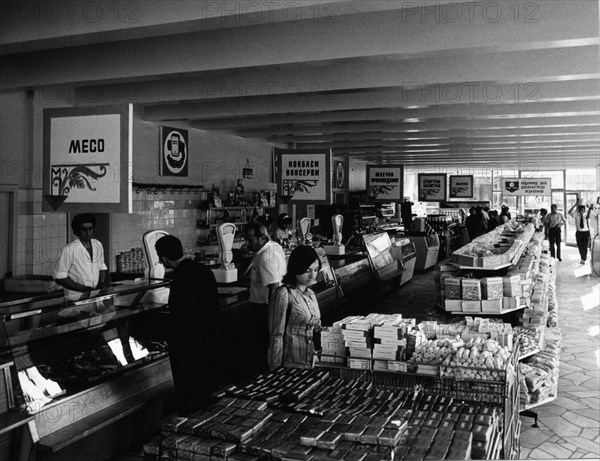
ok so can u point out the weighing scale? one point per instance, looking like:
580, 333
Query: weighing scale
337, 249
227, 273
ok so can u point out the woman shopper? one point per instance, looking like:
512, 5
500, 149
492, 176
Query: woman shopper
294, 316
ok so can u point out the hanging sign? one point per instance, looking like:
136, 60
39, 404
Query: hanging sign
385, 182
304, 176
513, 187
432, 187
461, 186
174, 151
339, 174
88, 159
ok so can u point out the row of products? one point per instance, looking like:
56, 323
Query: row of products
131, 261
337, 419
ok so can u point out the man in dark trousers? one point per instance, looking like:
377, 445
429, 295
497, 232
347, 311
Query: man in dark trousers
195, 333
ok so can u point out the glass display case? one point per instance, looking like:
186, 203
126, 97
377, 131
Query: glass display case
385, 259
409, 258
82, 364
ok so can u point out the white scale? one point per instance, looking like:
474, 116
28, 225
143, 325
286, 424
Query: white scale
303, 230
227, 273
337, 249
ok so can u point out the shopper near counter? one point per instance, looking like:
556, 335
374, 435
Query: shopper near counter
294, 316
554, 222
281, 231
582, 230
196, 327
504, 216
541, 225
81, 266
268, 269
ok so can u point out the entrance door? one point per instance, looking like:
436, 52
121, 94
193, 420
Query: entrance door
570, 200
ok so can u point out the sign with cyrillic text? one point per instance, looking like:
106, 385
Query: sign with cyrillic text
516, 187
432, 187
304, 176
461, 186
385, 182
88, 159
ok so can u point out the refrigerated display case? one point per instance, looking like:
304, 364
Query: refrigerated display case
427, 248
385, 259
93, 372
409, 258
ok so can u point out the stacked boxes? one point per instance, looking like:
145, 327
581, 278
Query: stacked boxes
390, 338
332, 345
453, 294
492, 292
357, 339
471, 295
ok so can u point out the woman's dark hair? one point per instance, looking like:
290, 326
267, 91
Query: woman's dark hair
543, 211
300, 260
80, 219
170, 247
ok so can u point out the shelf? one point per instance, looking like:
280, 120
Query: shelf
240, 223
494, 268
232, 207
502, 312
529, 354
537, 404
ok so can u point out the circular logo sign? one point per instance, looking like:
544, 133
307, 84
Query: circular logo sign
175, 152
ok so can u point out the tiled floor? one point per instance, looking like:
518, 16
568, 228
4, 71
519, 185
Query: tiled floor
569, 427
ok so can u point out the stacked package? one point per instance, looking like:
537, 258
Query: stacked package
552, 300
332, 345
361, 423
541, 370
356, 332
530, 339
390, 341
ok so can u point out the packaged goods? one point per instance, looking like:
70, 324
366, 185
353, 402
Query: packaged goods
453, 288
471, 289
492, 287
511, 285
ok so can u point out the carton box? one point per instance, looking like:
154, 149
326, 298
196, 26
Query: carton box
511, 285
491, 305
510, 302
471, 306
452, 287
471, 289
453, 305
492, 288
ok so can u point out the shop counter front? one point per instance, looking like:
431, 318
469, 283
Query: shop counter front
87, 368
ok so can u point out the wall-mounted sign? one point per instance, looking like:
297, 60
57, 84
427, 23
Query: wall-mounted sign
174, 151
461, 186
385, 182
432, 187
512, 187
304, 176
88, 159
339, 174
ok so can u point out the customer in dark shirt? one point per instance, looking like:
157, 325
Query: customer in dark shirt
195, 331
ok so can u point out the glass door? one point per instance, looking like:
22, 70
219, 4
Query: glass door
570, 200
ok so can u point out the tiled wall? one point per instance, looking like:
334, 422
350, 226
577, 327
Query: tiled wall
172, 212
40, 236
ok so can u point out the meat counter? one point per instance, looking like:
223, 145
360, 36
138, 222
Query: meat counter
87, 374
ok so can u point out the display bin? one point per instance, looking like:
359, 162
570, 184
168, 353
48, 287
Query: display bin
502, 393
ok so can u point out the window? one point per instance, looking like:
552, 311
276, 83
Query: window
584, 179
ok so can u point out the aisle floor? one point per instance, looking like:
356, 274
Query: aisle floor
569, 427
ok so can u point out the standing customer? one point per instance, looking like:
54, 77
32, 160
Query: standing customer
582, 233
268, 269
294, 314
554, 222
281, 231
81, 265
195, 326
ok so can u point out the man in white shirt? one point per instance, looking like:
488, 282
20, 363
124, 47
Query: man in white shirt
81, 265
582, 233
554, 222
268, 269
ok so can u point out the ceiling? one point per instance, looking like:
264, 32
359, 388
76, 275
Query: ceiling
386, 81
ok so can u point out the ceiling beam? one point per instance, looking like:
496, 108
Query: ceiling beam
303, 41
